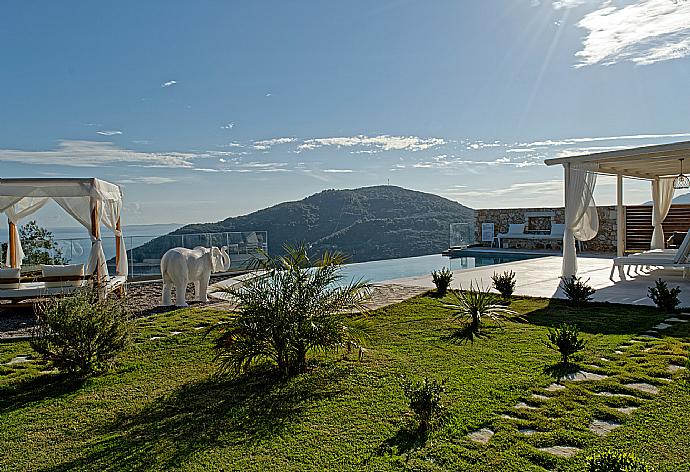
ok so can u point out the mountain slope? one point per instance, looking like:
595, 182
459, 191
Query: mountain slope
367, 223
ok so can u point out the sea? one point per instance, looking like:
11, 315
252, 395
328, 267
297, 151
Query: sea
75, 242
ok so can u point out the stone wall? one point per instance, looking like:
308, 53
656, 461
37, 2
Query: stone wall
538, 221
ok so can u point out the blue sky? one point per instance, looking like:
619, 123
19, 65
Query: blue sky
203, 110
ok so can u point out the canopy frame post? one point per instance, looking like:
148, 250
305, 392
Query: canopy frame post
118, 240
96, 234
12, 244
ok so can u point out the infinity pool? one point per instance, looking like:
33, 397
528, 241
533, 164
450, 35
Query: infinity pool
378, 271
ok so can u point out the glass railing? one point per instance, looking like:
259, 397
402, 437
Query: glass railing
144, 252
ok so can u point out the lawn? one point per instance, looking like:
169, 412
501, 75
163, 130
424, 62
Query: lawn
164, 408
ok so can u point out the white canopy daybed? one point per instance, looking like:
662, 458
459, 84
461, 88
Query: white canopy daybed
90, 202
661, 165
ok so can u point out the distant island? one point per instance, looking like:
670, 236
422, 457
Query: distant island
369, 223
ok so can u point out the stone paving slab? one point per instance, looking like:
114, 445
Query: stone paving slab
554, 387
482, 436
643, 387
582, 376
560, 451
603, 427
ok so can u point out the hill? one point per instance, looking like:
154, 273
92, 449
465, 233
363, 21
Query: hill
367, 223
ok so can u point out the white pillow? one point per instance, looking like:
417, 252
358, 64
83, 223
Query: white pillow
71, 270
12, 277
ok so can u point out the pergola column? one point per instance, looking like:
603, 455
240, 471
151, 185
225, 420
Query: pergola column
12, 245
620, 217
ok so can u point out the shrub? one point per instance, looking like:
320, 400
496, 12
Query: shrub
478, 303
667, 300
565, 339
441, 279
612, 461
289, 310
82, 334
504, 283
425, 401
576, 290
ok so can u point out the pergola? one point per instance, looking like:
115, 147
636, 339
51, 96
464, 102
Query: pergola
659, 164
89, 201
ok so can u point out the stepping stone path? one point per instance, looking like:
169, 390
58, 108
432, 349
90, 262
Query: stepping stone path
673, 368
582, 376
536, 396
675, 320
648, 336
603, 427
482, 436
643, 387
627, 410
527, 431
508, 417
604, 359
554, 387
662, 326
153, 338
199, 327
175, 333
560, 451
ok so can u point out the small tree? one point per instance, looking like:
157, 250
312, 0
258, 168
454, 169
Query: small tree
442, 279
565, 339
291, 309
82, 333
667, 300
576, 290
477, 304
39, 245
612, 461
504, 283
425, 401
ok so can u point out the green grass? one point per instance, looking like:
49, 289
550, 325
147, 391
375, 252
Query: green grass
164, 408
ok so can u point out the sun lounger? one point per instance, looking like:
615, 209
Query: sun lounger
663, 258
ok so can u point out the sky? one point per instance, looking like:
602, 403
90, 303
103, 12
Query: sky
208, 109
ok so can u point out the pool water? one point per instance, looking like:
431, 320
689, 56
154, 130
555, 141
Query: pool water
378, 271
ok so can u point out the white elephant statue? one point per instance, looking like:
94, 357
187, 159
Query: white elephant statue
180, 265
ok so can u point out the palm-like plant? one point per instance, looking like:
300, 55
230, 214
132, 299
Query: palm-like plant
478, 303
290, 308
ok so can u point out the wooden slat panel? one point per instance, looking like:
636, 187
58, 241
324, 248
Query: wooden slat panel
638, 224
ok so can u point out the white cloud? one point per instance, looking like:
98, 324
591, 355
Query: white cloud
109, 133
525, 192
96, 153
338, 171
571, 141
152, 180
560, 4
644, 32
169, 83
379, 143
228, 126
267, 144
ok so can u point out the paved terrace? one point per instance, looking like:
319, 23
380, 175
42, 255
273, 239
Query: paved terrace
540, 278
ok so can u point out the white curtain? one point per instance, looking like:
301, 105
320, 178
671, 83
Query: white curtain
15, 213
581, 219
662, 197
111, 215
80, 209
